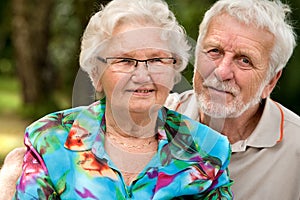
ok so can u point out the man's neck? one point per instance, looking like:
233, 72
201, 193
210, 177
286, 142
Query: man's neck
236, 129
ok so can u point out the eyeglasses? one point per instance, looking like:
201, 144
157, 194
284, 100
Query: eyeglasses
128, 65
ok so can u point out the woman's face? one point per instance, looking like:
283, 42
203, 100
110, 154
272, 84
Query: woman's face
146, 86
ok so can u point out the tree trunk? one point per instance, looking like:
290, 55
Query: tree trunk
30, 36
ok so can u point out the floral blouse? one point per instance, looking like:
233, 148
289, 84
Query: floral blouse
66, 159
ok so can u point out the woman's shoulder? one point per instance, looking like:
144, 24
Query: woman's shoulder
64, 118
56, 118
206, 139
56, 123
193, 125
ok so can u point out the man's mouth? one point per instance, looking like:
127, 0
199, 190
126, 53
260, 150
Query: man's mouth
220, 90
221, 87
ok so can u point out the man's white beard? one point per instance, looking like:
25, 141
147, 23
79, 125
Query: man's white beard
218, 108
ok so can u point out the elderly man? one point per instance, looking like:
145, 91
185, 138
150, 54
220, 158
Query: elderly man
242, 47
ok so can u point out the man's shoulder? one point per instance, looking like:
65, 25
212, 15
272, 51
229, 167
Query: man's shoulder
174, 99
185, 103
290, 127
289, 118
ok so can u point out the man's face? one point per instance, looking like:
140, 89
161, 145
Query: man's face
232, 67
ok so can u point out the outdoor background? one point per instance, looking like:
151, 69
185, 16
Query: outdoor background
39, 49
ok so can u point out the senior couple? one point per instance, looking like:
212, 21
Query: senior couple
128, 145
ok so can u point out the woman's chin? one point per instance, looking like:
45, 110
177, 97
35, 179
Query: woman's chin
144, 108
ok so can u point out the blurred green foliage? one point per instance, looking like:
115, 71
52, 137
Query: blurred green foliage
6, 59
69, 20
10, 97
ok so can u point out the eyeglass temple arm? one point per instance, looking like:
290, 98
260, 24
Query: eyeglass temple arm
101, 59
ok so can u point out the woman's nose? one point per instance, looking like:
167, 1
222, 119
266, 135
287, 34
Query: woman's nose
141, 73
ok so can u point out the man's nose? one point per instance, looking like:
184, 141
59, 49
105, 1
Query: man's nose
224, 69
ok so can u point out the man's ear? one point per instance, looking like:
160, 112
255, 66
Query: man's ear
271, 85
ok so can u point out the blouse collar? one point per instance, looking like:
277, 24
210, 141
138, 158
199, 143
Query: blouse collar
89, 126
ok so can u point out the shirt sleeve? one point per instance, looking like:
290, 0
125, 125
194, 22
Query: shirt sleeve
34, 182
218, 153
221, 186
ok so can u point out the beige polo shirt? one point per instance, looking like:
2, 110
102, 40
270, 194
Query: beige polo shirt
265, 166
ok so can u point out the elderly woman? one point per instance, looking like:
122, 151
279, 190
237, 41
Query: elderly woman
127, 145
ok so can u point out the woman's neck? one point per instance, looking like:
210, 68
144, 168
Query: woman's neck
130, 141
130, 156
127, 124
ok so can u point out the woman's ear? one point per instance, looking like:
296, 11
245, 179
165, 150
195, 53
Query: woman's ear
271, 85
99, 93
98, 87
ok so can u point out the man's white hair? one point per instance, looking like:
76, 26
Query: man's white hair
264, 14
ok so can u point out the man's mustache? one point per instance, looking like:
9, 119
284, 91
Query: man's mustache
224, 86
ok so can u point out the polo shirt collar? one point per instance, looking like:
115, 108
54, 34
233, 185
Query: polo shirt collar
268, 131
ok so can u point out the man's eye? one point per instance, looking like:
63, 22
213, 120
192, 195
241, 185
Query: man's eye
244, 63
245, 60
214, 53
214, 50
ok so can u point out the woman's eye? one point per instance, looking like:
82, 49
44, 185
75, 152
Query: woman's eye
155, 60
124, 61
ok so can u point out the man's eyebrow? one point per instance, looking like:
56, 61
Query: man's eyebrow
211, 43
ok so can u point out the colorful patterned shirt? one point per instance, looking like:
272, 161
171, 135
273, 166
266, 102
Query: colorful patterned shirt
66, 159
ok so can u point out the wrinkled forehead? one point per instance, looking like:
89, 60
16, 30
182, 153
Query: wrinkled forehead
139, 39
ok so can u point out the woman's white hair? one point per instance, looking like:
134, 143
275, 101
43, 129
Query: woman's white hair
142, 12
265, 14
